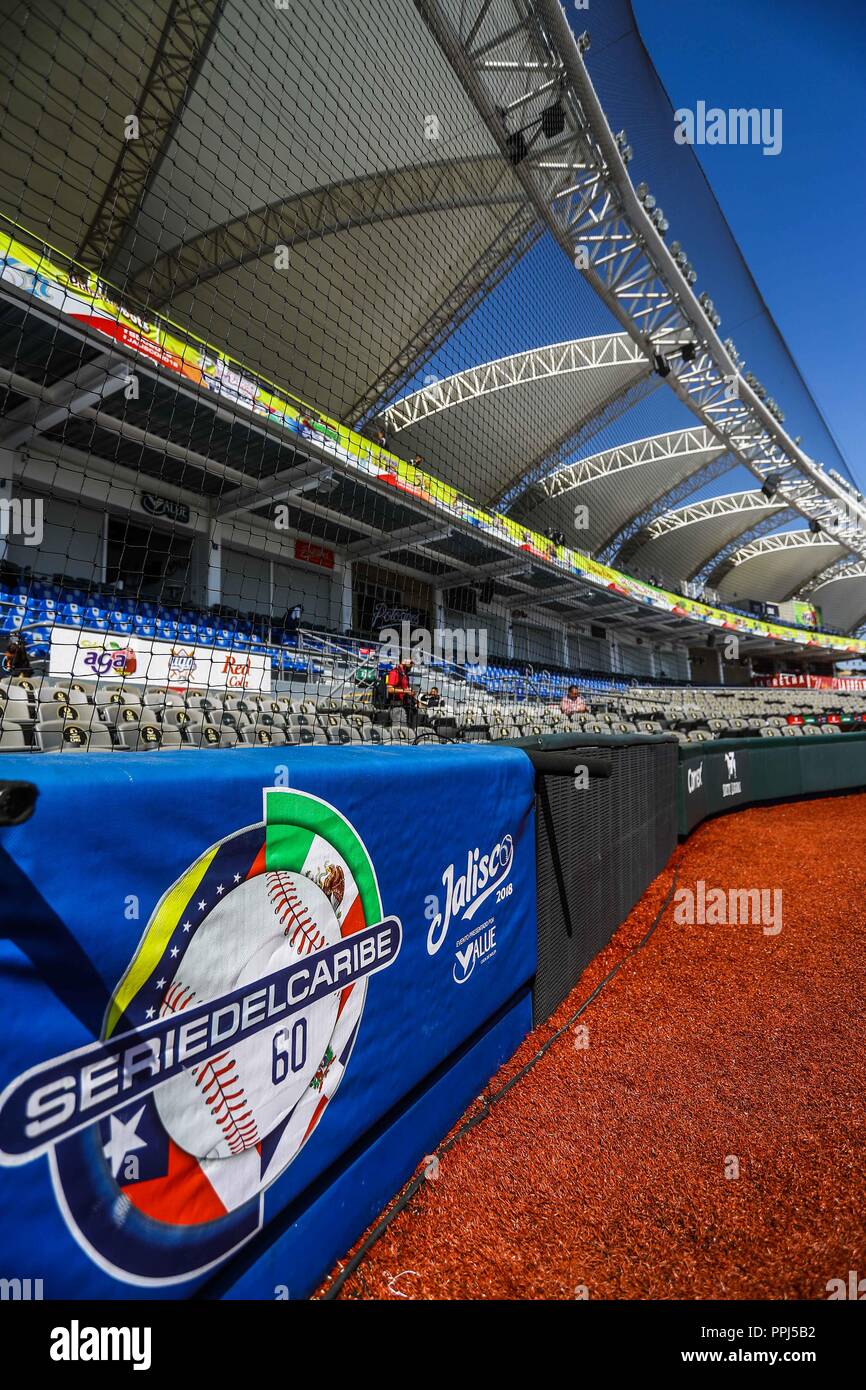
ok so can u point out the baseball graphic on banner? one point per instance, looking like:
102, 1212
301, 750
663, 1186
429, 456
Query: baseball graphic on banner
231, 1030
234, 1100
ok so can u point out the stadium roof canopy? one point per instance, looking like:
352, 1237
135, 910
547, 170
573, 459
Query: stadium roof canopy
778, 567
622, 484
278, 214
840, 593
328, 202
490, 428
680, 543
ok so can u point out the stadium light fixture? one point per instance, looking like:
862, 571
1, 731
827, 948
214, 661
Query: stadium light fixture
771, 485
625, 149
661, 365
516, 148
553, 120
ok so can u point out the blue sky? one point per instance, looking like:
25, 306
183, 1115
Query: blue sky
799, 217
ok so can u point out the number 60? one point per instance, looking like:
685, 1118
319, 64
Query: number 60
289, 1050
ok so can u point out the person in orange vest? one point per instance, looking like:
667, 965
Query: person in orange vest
400, 692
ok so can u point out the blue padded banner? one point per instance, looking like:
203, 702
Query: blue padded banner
223, 975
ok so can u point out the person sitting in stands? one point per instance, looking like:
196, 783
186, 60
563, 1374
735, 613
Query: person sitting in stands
292, 620
573, 702
16, 661
431, 699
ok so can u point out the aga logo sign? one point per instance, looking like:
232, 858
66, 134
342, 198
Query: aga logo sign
224, 1041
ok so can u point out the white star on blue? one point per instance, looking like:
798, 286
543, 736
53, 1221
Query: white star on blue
124, 1140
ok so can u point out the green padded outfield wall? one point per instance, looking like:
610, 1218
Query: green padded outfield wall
728, 774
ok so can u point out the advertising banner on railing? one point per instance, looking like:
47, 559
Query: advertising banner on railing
224, 978
805, 614
85, 654
791, 680
730, 775
79, 294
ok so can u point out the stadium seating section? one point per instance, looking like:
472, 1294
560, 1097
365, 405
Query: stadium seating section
54, 716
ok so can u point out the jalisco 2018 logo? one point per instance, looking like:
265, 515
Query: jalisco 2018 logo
465, 893
223, 1044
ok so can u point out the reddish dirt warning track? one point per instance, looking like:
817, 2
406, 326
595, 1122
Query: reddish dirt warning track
605, 1166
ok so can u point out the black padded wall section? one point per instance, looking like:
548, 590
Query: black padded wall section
599, 846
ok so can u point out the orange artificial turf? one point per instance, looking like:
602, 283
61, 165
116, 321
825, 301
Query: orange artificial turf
605, 1167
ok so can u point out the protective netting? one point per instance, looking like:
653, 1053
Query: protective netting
634, 97
236, 243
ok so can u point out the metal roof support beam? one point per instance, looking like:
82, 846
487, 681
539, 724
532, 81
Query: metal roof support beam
659, 448
537, 364
384, 196
847, 567
51, 407
713, 572
616, 550
787, 540
186, 35
573, 441
404, 539
309, 471
581, 188
730, 504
